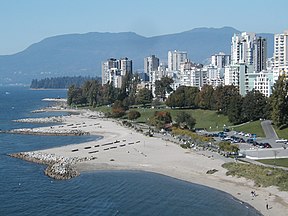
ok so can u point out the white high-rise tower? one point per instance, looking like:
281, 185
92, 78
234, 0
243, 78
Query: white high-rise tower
242, 48
280, 63
175, 58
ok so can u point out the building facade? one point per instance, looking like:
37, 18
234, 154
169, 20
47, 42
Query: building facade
242, 48
220, 60
151, 63
260, 54
175, 58
113, 70
280, 56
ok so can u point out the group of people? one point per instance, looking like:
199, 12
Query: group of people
253, 194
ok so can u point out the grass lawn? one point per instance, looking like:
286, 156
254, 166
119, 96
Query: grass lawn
262, 176
103, 109
204, 118
208, 119
283, 162
282, 134
251, 127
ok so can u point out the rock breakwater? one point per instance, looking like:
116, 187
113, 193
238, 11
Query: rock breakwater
50, 132
58, 167
56, 119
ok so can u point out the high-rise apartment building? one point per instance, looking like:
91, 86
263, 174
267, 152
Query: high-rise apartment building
175, 58
242, 48
125, 66
113, 70
248, 59
106, 69
151, 63
280, 62
220, 60
260, 54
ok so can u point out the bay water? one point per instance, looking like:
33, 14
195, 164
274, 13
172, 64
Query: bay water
25, 190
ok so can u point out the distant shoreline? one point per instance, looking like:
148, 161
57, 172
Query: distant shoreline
41, 89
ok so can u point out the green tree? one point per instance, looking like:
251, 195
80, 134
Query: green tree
191, 99
91, 89
205, 97
75, 96
234, 110
162, 87
184, 120
223, 96
176, 99
217, 98
279, 103
144, 96
132, 89
254, 106
118, 110
108, 94
184, 96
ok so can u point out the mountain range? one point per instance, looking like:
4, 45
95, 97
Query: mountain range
82, 54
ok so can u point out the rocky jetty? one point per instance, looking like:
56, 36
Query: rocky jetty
49, 132
61, 171
58, 167
55, 99
55, 119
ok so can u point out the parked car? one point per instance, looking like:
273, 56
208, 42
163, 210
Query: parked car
250, 141
267, 145
281, 141
226, 130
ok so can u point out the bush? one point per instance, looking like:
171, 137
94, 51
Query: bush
185, 120
160, 119
118, 110
133, 114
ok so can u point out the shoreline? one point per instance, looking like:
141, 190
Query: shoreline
115, 151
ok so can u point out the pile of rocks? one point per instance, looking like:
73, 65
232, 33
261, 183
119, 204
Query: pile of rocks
59, 167
52, 132
61, 171
54, 119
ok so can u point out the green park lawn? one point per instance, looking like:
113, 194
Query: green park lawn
208, 119
204, 118
282, 134
283, 162
251, 127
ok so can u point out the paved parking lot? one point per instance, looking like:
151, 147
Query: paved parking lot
278, 150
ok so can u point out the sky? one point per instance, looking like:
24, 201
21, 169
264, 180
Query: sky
24, 22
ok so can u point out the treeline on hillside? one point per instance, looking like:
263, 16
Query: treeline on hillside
223, 99
60, 82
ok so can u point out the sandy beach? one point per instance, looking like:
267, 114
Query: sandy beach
126, 149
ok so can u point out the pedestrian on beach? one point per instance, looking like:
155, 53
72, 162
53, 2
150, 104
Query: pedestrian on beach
267, 207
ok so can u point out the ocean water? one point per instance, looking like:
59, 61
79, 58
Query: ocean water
25, 190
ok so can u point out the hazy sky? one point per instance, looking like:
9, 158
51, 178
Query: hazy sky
24, 22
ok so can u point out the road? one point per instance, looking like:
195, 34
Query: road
268, 130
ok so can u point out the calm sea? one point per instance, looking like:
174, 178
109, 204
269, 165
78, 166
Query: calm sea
25, 190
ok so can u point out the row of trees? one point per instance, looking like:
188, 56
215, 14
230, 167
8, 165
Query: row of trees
223, 99
92, 92
59, 82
